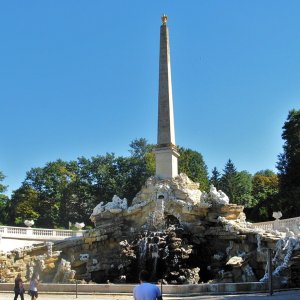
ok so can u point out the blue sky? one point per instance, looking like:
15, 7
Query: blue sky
80, 78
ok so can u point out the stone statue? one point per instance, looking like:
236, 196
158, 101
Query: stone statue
115, 206
214, 196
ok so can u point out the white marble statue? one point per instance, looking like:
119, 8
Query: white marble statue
214, 196
115, 206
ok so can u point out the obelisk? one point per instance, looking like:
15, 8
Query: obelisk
166, 154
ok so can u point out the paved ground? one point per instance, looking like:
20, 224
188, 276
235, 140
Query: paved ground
284, 295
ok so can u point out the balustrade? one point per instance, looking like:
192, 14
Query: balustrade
38, 233
292, 224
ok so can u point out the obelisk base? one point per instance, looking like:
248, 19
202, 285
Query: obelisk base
166, 162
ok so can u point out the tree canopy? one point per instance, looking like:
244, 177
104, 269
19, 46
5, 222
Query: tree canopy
3, 199
215, 178
61, 192
288, 165
192, 164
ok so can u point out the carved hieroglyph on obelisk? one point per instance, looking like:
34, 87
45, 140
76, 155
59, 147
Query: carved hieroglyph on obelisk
166, 154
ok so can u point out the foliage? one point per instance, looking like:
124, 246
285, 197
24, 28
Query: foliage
192, 164
288, 165
3, 200
237, 185
265, 188
215, 178
24, 205
50, 182
229, 181
63, 192
265, 185
244, 189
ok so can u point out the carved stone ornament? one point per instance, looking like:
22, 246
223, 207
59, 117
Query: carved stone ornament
164, 19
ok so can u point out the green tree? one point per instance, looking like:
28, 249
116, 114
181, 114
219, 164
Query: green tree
289, 161
266, 172
244, 189
265, 185
215, 178
142, 153
63, 192
142, 166
289, 165
229, 181
140, 147
237, 185
50, 182
78, 199
3, 200
24, 205
124, 176
192, 164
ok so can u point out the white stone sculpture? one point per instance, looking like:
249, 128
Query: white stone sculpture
241, 218
29, 223
289, 233
180, 188
214, 196
284, 249
49, 248
115, 206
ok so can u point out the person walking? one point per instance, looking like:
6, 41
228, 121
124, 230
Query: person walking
146, 290
19, 287
33, 292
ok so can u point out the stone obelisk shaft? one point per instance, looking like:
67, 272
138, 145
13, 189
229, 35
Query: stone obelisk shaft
166, 153
166, 131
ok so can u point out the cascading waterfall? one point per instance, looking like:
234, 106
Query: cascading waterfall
142, 246
148, 250
163, 253
157, 219
155, 256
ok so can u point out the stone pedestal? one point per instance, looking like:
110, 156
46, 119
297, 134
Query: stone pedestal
166, 162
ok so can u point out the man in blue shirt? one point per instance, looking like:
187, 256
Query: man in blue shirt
146, 290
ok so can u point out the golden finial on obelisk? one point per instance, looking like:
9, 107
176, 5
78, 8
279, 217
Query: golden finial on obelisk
164, 19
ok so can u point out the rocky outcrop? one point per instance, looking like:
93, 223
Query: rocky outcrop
174, 230
35, 259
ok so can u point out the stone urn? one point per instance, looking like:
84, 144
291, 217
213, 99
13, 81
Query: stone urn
79, 226
29, 223
277, 215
